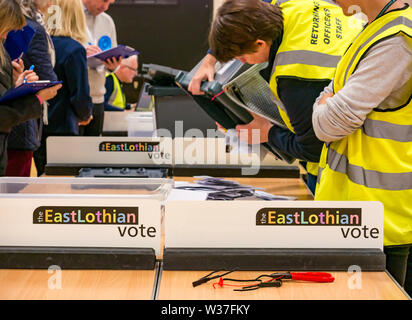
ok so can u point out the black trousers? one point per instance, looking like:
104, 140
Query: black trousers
95, 127
3, 153
40, 155
399, 265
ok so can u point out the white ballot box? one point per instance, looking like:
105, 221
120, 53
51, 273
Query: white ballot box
273, 235
81, 222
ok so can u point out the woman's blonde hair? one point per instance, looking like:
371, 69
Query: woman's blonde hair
67, 19
11, 18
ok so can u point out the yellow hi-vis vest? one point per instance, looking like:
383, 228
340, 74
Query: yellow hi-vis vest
374, 163
117, 98
316, 34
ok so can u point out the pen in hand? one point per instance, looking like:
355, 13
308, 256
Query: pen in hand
31, 69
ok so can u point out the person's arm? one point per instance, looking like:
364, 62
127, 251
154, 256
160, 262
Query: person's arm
298, 97
384, 70
38, 54
18, 111
77, 84
26, 108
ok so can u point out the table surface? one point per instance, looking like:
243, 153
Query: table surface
177, 285
77, 284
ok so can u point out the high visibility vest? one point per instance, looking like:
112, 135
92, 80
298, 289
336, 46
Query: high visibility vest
374, 163
117, 98
316, 34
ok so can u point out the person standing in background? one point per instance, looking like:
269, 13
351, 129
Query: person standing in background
101, 33
25, 138
72, 107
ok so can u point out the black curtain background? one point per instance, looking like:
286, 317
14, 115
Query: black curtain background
174, 35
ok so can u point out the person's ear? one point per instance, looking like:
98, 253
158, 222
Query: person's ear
261, 43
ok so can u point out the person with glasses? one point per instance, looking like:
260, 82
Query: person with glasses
115, 99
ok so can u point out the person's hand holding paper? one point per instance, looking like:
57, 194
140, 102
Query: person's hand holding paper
113, 63
49, 93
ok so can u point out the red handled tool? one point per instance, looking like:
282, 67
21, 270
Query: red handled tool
307, 276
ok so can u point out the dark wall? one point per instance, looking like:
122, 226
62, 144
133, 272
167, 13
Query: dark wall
171, 35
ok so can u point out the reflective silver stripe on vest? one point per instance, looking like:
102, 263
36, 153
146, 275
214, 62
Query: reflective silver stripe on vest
114, 93
279, 2
386, 130
369, 178
113, 96
397, 21
320, 170
306, 57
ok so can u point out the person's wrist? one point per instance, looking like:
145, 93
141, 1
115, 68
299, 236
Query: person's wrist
210, 59
264, 134
40, 98
115, 70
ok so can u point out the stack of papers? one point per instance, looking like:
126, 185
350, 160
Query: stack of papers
210, 188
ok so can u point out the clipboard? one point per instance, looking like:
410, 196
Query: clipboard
26, 89
95, 61
18, 42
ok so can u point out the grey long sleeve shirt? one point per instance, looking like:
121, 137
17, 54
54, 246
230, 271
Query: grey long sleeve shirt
382, 80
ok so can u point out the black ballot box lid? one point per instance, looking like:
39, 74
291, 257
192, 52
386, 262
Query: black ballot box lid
165, 91
178, 112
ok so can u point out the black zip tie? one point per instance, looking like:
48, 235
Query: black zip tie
208, 278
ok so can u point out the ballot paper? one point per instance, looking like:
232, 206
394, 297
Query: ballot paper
178, 194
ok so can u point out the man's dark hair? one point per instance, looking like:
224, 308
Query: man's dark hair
239, 23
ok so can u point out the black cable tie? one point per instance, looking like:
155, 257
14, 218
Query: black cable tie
200, 281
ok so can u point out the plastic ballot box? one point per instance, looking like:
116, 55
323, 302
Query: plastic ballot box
81, 223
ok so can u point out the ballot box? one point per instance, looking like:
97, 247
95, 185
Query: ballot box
276, 235
81, 223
